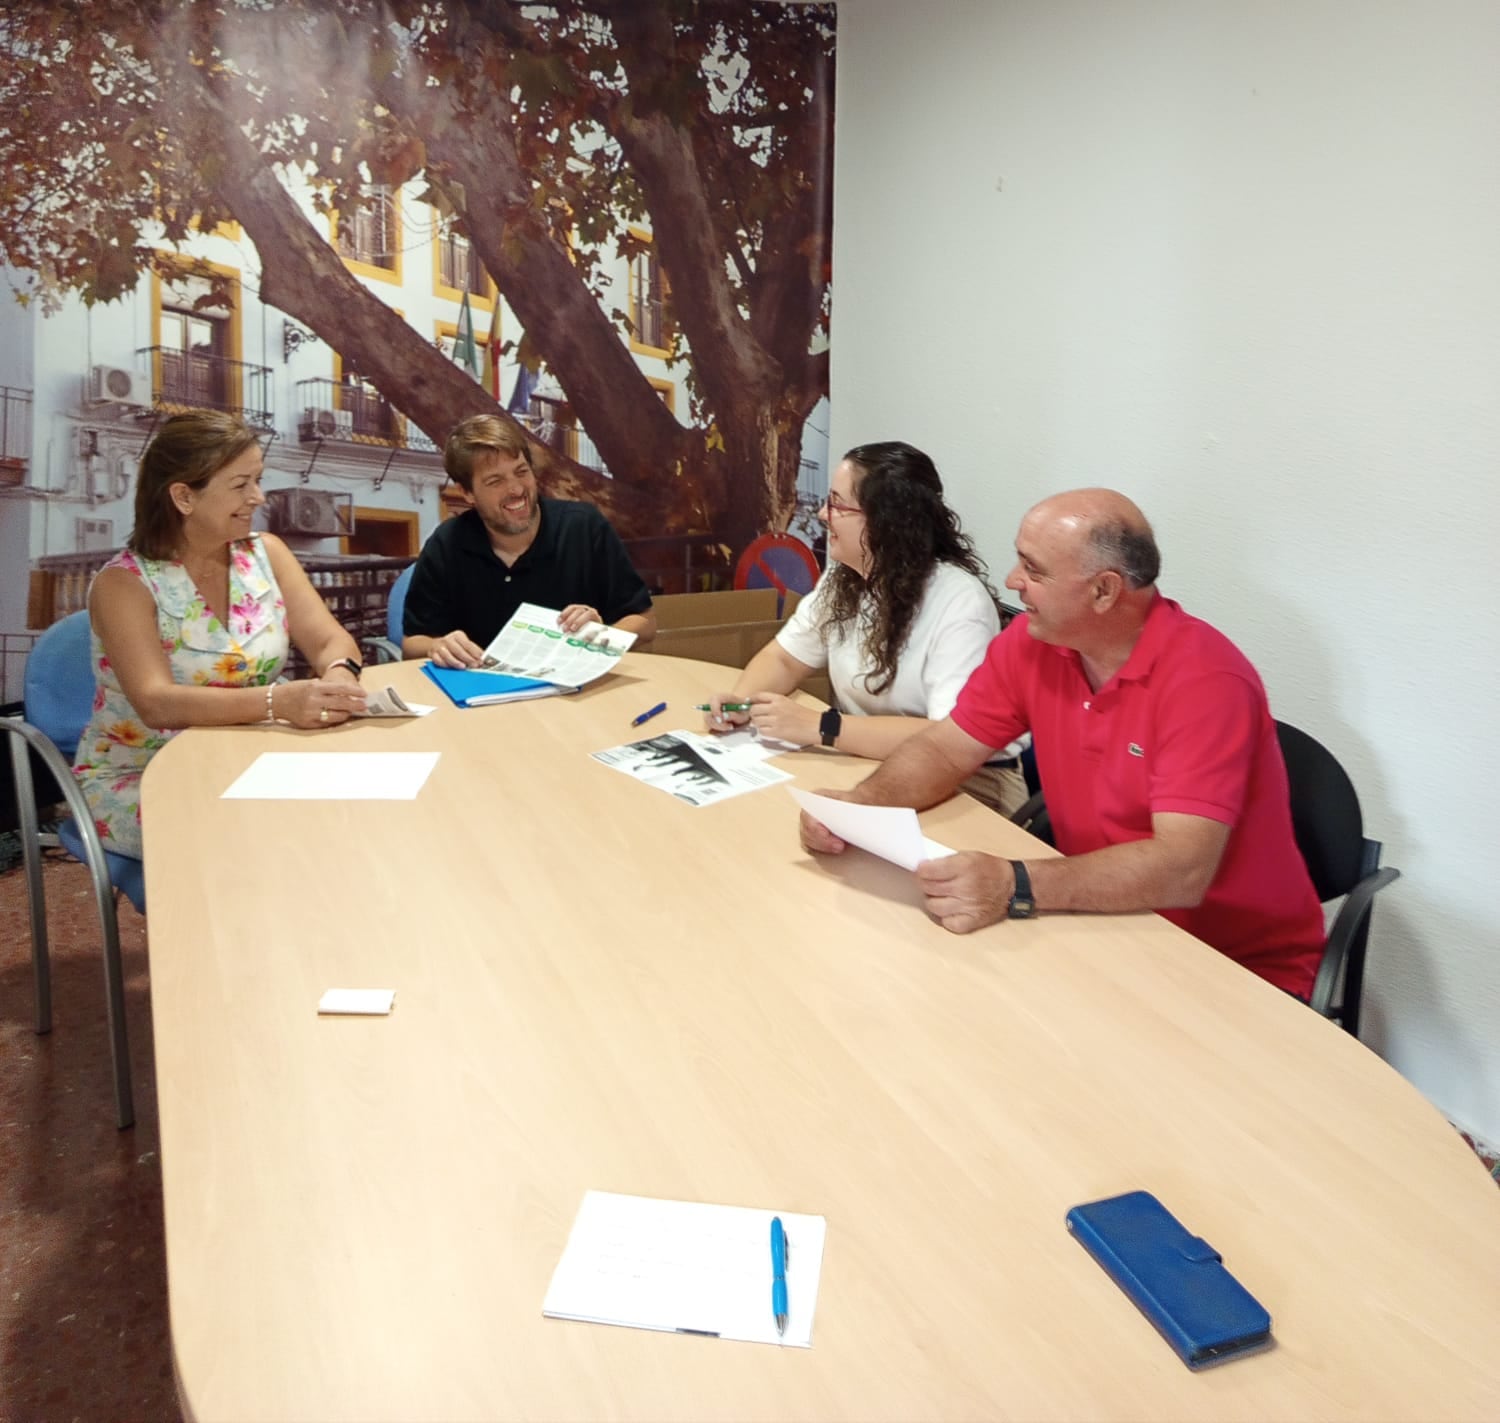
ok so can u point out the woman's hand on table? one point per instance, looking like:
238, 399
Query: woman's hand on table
781, 718
718, 717
317, 703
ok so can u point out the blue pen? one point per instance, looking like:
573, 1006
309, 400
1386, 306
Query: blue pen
778, 1273
647, 715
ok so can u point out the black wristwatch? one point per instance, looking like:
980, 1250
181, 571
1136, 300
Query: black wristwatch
348, 662
829, 725
1022, 904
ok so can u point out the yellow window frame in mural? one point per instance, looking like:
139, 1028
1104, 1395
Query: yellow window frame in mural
635, 309
234, 393
484, 300
666, 389
369, 514
391, 274
346, 400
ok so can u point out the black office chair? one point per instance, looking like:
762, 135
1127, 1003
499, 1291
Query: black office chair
1342, 863
1033, 815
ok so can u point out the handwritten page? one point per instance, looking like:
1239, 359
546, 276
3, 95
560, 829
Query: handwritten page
890, 831
686, 1267
334, 775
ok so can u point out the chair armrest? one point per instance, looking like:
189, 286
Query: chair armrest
73, 796
1346, 923
383, 648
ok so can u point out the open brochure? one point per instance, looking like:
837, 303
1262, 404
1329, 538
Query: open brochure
693, 767
532, 645
387, 701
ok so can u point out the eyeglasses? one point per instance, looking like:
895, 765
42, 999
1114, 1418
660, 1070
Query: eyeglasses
835, 505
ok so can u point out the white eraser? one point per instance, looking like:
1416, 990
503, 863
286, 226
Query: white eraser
357, 1000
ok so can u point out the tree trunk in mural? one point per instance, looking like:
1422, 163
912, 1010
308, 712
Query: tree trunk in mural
548, 133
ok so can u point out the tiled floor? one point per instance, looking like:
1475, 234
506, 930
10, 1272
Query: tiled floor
83, 1291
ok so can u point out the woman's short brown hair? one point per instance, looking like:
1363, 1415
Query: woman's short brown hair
189, 449
481, 435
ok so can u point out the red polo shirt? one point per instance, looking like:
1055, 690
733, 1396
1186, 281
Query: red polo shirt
1183, 726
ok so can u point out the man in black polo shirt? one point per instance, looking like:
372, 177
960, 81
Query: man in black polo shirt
511, 547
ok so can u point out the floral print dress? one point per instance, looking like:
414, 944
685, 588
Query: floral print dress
116, 744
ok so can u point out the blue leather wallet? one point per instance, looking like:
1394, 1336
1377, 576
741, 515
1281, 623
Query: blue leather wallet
1177, 1280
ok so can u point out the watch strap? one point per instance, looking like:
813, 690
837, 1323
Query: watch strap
829, 726
348, 662
1022, 902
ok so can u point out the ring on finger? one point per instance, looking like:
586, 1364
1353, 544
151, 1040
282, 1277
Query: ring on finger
323, 715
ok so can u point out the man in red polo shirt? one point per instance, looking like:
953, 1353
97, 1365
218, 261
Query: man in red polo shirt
1154, 741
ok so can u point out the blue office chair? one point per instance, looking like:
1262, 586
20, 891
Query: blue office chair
58, 697
388, 648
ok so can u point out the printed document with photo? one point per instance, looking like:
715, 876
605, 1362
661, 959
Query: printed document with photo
693, 767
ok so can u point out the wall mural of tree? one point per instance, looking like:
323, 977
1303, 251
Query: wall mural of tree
543, 129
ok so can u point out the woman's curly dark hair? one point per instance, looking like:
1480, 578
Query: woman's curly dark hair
909, 530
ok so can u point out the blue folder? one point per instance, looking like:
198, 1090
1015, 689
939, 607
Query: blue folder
467, 688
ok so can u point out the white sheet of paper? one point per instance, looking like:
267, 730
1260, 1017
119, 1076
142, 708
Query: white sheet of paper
751, 743
334, 775
890, 831
357, 1000
686, 1267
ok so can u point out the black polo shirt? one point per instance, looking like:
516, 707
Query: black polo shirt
576, 557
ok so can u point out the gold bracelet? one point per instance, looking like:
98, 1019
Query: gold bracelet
270, 708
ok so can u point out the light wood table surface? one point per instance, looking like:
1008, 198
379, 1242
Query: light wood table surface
599, 986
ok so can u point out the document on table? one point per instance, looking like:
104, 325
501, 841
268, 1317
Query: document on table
697, 768
334, 775
686, 1267
890, 831
387, 701
531, 644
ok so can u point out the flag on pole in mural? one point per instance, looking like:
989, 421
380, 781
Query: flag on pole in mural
465, 352
492, 348
520, 394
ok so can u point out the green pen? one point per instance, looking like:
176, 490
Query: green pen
727, 706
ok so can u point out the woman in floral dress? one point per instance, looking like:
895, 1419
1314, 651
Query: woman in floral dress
192, 622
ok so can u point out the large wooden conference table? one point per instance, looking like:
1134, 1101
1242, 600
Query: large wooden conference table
598, 986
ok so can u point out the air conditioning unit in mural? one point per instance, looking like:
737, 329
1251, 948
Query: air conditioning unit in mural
115, 385
323, 424
310, 511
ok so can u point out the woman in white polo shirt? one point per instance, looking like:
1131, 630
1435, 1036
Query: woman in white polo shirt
900, 619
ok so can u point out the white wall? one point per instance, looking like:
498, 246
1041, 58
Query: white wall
1239, 260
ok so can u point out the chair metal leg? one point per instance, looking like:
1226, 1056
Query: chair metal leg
104, 899
31, 855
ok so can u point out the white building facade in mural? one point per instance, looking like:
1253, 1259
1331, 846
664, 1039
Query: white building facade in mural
81, 389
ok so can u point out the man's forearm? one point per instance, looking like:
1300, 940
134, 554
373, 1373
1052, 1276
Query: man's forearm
643, 625
920, 772
1121, 879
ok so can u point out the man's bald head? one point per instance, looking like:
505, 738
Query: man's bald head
1111, 531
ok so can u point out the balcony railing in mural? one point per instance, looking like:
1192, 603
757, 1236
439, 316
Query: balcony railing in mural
553, 423
356, 414
356, 587
15, 434
191, 380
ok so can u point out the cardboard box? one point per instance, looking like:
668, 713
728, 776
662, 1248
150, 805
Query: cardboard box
727, 627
